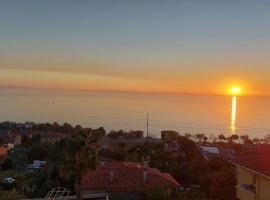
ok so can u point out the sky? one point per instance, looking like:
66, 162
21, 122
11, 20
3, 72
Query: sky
183, 46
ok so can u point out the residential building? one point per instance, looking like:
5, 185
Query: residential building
51, 137
169, 135
209, 152
253, 174
127, 180
125, 135
109, 143
26, 125
10, 137
37, 164
171, 147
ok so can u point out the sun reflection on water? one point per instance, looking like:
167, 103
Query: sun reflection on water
233, 117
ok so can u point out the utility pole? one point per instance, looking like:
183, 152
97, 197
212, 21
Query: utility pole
147, 124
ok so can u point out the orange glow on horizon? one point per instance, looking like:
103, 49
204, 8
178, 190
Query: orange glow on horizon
78, 81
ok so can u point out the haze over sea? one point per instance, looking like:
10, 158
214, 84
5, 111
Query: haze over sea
126, 110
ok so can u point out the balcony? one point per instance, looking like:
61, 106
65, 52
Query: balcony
246, 192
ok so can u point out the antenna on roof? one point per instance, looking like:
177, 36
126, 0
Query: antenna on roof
147, 124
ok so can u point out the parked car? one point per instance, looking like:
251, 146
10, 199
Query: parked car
8, 180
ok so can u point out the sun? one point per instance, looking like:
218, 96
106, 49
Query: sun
235, 90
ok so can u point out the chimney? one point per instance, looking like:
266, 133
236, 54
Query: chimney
145, 175
111, 176
145, 164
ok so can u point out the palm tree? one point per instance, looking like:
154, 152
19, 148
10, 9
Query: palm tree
222, 137
86, 159
77, 155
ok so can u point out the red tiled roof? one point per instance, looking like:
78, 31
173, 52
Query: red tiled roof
3, 150
257, 160
128, 176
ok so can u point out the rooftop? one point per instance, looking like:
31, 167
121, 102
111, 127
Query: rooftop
3, 150
257, 160
127, 176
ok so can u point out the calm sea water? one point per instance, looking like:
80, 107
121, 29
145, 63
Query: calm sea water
115, 110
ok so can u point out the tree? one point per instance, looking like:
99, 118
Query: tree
224, 182
188, 135
67, 128
205, 139
40, 152
205, 182
199, 137
267, 139
25, 141
8, 164
233, 138
56, 127
222, 137
74, 156
256, 140
246, 139
188, 147
78, 129
158, 194
102, 131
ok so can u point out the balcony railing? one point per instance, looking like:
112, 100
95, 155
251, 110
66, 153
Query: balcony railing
246, 192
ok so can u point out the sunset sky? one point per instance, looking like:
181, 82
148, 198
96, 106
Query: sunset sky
150, 46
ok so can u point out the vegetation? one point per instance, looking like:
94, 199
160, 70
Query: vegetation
68, 159
8, 164
157, 194
11, 195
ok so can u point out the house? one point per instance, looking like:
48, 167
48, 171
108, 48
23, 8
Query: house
171, 147
10, 137
169, 135
14, 138
3, 153
37, 164
126, 135
51, 137
129, 143
134, 134
253, 174
26, 125
28, 133
126, 180
211, 152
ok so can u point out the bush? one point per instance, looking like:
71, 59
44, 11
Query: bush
8, 164
158, 194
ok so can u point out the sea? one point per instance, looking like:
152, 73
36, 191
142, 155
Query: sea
185, 113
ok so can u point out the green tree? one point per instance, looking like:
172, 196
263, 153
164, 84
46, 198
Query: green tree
72, 157
8, 164
223, 185
200, 137
246, 139
158, 194
40, 152
188, 147
222, 137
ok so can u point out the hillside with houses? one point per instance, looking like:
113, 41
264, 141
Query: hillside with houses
91, 163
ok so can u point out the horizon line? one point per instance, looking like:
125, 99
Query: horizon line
13, 87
